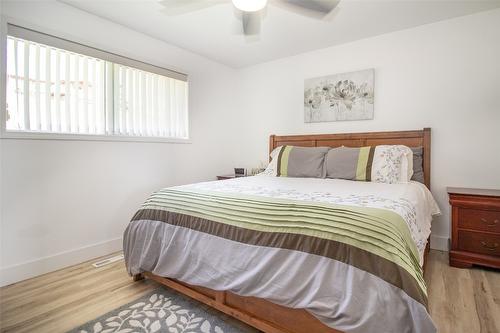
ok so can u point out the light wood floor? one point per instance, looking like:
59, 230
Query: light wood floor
461, 300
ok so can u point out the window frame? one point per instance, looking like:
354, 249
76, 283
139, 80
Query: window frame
86, 49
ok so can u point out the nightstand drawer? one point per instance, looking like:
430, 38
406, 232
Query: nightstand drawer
476, 219
478, 242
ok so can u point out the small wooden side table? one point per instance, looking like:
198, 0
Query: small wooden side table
223, 177
475, 227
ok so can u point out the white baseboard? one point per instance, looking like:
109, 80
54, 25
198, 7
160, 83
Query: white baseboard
441, 243
19, 272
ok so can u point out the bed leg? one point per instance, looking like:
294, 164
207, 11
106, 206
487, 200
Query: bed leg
138, 277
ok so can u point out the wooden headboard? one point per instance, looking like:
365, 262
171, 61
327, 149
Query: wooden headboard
418, 138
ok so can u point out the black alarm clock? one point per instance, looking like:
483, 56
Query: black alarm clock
239, 172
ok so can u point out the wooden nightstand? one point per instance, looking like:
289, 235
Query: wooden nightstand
229, 177
225, 177
475, 227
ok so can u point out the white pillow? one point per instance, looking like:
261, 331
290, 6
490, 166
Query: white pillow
392, 164
407, 166
275, 152
272, 167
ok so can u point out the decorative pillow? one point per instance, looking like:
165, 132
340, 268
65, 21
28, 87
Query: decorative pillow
392, 164
292, 161
418, 164
384, 164
350, 163
275, 152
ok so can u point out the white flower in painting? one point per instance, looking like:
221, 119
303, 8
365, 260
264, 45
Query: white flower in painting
345, 92
312, 98
365, 92
326, 88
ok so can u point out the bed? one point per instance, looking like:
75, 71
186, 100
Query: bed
295, 255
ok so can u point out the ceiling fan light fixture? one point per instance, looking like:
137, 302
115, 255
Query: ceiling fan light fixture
249, 5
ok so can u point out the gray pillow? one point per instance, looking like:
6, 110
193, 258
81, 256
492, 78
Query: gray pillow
349, 163
418, 166
301, 162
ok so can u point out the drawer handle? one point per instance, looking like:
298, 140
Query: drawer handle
494, 223
489, 247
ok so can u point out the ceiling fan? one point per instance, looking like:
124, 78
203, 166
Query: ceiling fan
252, 10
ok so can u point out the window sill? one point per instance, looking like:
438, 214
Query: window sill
89, 137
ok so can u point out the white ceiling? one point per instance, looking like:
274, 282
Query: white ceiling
215, 31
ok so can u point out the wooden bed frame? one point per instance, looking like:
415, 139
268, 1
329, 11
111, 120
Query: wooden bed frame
262, 314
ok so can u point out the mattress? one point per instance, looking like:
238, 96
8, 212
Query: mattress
348, 252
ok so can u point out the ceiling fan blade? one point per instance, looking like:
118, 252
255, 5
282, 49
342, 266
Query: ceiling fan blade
251, 22
179, 7
318, 7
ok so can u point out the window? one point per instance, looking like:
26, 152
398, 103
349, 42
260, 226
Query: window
57, 86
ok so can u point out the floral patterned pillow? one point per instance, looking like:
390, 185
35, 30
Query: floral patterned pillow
392, 164
272, 167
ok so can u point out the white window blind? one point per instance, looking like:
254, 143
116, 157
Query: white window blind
149, 104
52, 90
56, 90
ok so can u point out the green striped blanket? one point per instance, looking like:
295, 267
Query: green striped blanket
375, 240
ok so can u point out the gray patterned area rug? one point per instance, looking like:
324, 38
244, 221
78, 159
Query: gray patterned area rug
163, 310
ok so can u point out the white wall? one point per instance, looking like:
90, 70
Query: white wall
444, 75
66, 201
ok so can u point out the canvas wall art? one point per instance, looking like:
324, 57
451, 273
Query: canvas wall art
338, 97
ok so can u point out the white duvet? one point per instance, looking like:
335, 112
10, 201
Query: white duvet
412, 201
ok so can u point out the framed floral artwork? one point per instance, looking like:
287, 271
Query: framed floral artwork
338, 97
